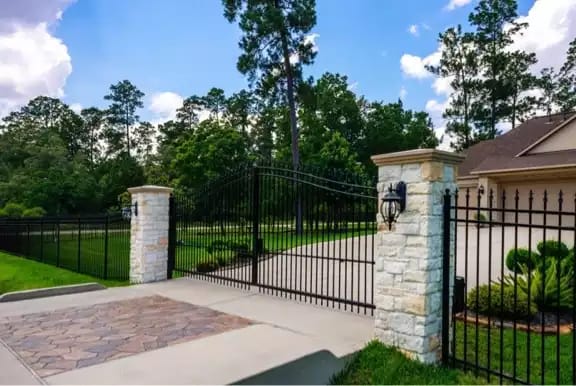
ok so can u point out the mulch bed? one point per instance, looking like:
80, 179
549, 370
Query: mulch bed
550, 326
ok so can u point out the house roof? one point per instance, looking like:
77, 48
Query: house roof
506, 152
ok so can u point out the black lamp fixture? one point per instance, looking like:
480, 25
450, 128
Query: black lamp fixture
129, 210
393, 203
481, 190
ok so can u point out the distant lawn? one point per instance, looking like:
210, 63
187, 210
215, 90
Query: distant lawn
377, 364
17, 273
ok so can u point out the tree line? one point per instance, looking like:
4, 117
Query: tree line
492, 82
68, 163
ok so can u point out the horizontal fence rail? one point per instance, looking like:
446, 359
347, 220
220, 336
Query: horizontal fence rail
303, 235
98, 246
513, 312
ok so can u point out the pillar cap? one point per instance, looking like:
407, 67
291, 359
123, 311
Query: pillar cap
417, 156
150, 189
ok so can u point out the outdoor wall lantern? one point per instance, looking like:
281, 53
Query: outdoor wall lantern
128, 211
481, 190
393, 203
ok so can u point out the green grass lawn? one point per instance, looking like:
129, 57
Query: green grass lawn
87, 254
520, 353
195, 247
17, 273
377, 364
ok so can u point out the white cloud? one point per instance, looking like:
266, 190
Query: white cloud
453, 4
76, 107
308, 40
34, 62
163, 106
435, 109
403, 92
311, 40
442, 86
551, 27
413, 30
415, 67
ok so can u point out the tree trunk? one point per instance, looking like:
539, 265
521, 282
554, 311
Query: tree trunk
293, 124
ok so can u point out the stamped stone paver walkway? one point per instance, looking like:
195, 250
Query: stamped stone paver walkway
71, 338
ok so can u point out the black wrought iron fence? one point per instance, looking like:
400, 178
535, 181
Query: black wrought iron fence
513, 315
302, 236
94, 245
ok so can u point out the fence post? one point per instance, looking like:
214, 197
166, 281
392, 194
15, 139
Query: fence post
41, 239
79, 235
409, 255
171, 238
149, 228
106, 224
255, 223
58, 242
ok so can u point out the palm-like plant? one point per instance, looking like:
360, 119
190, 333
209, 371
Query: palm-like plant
550, 285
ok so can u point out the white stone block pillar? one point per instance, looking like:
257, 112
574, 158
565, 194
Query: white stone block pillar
149, 233
408, 274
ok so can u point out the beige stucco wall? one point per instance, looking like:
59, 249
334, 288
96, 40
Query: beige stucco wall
568, 188
552, 186
564, 139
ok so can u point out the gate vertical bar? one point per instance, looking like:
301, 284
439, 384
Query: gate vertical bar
255, 222
106, 235
171, 237
446, 279
79, 246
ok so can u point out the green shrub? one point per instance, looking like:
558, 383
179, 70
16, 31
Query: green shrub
516, 258
550, 287
3, 213
553, 248
34, 212
14, 210
500, 304
218, 246
207, 266
481, 218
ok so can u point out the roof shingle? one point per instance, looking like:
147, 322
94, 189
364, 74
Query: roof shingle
500, 153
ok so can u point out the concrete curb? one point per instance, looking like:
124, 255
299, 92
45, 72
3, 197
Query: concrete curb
51, 291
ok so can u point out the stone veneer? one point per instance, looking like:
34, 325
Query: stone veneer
408, 274
149, 234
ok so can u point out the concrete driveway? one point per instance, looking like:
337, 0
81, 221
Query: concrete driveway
176, 332
319, 273
481, 253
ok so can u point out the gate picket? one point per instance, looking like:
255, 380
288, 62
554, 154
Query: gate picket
305, 235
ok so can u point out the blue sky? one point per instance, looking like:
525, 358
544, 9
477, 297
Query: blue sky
75, 49
186, 46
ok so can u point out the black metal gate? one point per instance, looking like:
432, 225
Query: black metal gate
305, 235
513, 315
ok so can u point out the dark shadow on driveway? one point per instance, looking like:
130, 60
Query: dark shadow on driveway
313, 369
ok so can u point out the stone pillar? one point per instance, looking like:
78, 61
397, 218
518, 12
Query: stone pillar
408, 274
149, 233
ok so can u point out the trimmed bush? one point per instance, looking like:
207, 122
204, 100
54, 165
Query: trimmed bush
553, 248
500, 304
481, 218
34, 212
516, 258
14, 210
207, 266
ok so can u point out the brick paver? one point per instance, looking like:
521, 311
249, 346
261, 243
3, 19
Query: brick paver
67, 339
